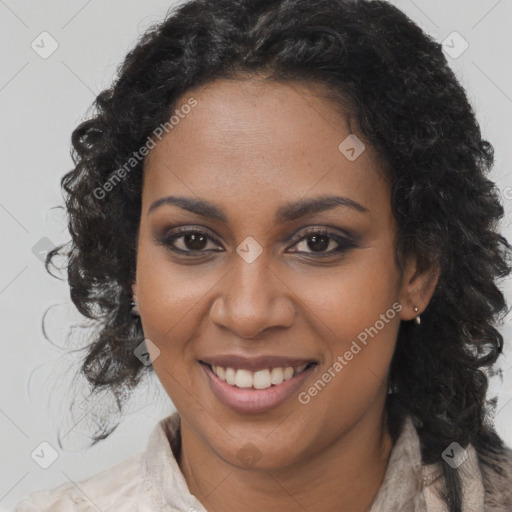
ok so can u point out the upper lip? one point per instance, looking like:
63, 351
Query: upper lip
255, 363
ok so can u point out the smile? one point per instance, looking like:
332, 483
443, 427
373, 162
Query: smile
256, 391
261, 379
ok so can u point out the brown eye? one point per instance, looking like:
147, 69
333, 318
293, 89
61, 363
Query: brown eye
318, 243
189, 241
194, 241
321, 242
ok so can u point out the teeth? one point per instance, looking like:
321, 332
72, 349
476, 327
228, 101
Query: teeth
260, 379
243, 379
230, 376
277, 376
299, 369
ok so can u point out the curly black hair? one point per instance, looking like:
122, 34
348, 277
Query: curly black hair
410, 107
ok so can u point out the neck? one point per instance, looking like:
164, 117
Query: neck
341, 478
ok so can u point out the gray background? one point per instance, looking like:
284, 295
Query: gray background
41, 102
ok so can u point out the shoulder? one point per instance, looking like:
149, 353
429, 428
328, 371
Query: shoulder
145, 482
112, 489
498, 484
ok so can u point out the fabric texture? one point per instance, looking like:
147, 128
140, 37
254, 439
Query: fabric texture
152, 481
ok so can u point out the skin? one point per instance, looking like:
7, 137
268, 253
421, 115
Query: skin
250, 147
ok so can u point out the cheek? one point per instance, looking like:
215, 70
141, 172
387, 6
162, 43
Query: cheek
171, 296
357, 315
350, 298
361, 308
354, 308
171, 307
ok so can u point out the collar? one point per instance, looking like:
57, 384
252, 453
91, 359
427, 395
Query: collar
162, 473
407, 486
410, 485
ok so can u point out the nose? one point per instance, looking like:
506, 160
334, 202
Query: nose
253, 298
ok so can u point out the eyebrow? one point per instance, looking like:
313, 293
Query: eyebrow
285, 213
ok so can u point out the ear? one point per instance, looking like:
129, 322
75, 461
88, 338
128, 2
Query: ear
419, 282
134, 292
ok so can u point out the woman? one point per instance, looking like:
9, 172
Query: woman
281, 207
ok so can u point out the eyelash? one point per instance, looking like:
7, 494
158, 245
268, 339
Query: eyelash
344, 243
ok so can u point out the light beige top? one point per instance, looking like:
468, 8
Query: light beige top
152, 481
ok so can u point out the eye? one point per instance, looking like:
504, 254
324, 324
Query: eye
321, 243
314, 242
187, 240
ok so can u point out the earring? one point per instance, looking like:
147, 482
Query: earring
135, 308
418, 318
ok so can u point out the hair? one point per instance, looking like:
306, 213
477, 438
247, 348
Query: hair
408, 105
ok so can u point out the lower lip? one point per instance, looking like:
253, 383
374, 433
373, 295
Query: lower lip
250, 400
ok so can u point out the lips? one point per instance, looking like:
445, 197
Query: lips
243, 384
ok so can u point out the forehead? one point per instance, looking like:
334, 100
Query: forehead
249, 139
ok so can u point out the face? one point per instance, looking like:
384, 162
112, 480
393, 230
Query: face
263, 247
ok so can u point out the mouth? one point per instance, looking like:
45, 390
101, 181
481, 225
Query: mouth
260, 379
259, 389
